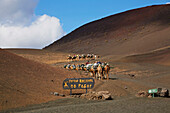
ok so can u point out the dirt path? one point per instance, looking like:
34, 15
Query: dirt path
125, 105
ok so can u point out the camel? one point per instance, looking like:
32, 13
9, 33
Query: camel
93, 72
68, 66
74, 57
78, 67
73, 67
78, 57
89, 69
100, 72
82, 67
65, 66
83, 56
106, 71
69, 58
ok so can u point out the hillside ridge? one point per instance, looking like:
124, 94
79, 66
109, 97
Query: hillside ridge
121, 26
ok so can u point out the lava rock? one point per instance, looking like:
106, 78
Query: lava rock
101, 95
56, 93
142, 94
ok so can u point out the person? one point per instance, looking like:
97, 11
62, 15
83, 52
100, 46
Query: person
102, 65
88, 66
74, 66
68, 66
88, 55
92, 55
83, 55
106, 63
98, 62
65, 66
78, 66
95, 57
79, 56
69, 56
82, 65
87, 62
95, 65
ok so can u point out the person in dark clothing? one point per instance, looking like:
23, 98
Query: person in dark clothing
98, 62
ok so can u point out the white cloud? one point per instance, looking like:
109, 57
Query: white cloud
40, 33
17, 12
17, 30
168, 3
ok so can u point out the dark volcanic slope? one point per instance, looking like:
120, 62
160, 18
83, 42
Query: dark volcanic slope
159, 57
24, 82
131, 32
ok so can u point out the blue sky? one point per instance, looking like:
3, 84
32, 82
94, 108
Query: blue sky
75, 13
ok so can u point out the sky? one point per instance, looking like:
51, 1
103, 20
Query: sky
38, 23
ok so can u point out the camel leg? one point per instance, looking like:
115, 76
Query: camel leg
91, 74
107, 76
97, 74
94, 75
104, 74
101, 76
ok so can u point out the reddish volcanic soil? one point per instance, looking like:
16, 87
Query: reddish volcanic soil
132, 32
37, 76
24, 82
41, 55
161, 56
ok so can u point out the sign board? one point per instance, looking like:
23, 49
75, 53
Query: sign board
78, 83
152, 90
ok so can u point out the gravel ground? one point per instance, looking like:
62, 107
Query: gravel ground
121, 105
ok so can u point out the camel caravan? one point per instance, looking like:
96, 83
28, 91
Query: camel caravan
82, 57
97, 69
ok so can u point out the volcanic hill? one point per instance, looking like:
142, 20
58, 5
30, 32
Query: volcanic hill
132, 32
24, 82
161, 56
